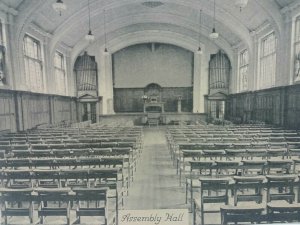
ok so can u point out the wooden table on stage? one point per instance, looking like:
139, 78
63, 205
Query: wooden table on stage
157, 104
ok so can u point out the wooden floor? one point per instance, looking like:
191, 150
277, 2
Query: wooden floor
156, 185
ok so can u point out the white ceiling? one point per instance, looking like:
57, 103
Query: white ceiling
124, 16
283, 3
13, 3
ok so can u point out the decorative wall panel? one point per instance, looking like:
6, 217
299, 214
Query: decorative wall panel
24, 110
7, 112
130, 99
278, 106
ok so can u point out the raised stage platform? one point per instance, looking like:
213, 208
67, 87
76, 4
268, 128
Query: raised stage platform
166, 118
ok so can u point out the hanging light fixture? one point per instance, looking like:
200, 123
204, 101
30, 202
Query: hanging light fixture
199, 48
89, 36
241, 4
214, 34
105, 38
59, 6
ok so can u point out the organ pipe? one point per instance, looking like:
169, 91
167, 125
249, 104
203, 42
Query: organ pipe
86, 73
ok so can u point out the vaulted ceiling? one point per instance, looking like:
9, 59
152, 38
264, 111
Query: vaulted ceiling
125, 16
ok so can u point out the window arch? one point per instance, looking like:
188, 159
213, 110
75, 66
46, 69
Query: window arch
243, 71
297, 50
267, 73
2, 55
33, 64
60, 73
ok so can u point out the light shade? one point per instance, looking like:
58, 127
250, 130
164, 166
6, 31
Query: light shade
59, 6
89, 36
214, 34
241, 3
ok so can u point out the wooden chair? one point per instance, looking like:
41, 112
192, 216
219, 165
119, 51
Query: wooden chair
6, 148
243, 185
109, 144
226, 168
222, 145
277, 152
57, 146
4, 142
197, 169
293, 153
20, 147
18, 178
278, 145
280, 166
21, 153
184, 160
18, 162
39, 146
41, 153
247, 212
98, 195
252, 167
213, 154
241, 145
55, 195
213, 190
232, 154
13, 200
256, 153
281, 188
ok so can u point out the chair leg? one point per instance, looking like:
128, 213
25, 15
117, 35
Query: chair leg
192, 196
202, 215
223, 222
194, 213
186, 191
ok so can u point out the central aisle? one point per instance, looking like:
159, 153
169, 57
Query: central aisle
156, 185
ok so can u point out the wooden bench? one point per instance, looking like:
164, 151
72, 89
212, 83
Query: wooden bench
9, 197
218, 186
99, 196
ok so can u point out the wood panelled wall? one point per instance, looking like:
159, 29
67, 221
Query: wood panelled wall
24, 110
7, 111
278, 106
130, 99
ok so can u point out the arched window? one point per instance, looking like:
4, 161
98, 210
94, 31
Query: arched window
33, 64
267, 74
2, 55
243, 71
297, 50
60, 73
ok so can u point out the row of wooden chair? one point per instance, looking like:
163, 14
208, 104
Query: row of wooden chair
229, 155
55, 179
70, 144
217, 169
240, 152
43, 196
107, 159
247, 158
232, 134
66, 139
278, 206
200, 128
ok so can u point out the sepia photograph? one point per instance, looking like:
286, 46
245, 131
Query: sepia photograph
149, 112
